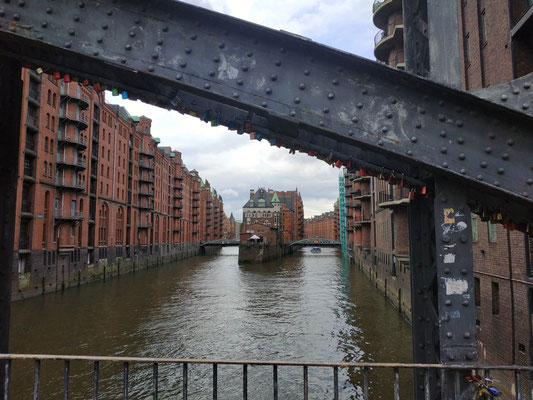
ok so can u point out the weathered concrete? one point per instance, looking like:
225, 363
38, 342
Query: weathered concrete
260, 252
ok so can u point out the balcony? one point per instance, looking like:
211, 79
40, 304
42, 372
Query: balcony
178, 178
382, 9
144, 225
146, 192
32, 122
74, 117
68, 215
145, 165
387, 40
63, 161
147, 153
145, 206
398, 198
362, 195
77, 94
146, 179
30, 145
69, 184
71, 138
34, 97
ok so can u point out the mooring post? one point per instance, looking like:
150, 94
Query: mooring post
10, 105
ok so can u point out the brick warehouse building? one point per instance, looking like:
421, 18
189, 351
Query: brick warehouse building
96, 195
323, 226
496, 44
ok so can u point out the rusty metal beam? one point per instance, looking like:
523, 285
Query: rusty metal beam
295, 92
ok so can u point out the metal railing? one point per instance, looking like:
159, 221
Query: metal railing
64, 159
71, 138
377, 4
447, 373
68, 215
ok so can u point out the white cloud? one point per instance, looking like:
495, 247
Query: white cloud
233, 164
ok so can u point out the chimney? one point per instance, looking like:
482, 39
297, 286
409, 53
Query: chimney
270, 192
252, 192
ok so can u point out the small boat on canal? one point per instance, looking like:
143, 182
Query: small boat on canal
316, 250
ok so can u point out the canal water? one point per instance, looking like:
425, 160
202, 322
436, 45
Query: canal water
305, 307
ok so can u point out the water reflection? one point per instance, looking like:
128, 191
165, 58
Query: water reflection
305, 307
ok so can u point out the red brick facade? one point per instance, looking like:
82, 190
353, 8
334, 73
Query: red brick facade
322, 226
95, 190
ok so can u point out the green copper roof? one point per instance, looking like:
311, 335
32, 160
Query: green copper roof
275, 198
172, 155
135, 118
157, 140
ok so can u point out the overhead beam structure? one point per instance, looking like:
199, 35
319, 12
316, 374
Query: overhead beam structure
292, 91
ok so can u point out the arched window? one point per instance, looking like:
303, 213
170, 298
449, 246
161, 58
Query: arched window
102, 169
53, 126
46, 144
51, 146
48, 120
45, 167
108, 172
50, 170
108, 155
119, 226
49, 97
54, 100
102, 229
157, 229
81, 205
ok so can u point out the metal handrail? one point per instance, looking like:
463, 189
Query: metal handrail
377, 4
366, 367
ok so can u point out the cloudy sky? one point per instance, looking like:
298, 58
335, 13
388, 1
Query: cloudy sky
234, 164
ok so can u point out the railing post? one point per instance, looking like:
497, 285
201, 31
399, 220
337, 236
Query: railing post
10, 104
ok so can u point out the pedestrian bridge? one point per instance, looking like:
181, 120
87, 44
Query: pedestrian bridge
318, 242
220, 242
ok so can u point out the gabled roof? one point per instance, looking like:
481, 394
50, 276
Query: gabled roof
261, 198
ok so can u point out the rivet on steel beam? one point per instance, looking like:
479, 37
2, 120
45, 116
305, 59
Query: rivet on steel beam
44, 24
464, 271
463, 239
394, 101
418, 125
268, 90
525, 194
137, 21
207, 85
497, 183
331, 96
359, 105
388, 115
76, 18
467, 335
422, 111
221, 45
460, 140
160, 43
380, 142
479, 177
16, 17
448, 303
525, 106
466, 303
449, 335
505, 156
240, 82
40, 36
504, 97
459, 123
462, 156
49, 10
193, 36
165, 29
350, 132
335, 82
527, 85
244, 68
216, 59
301, 86
488, 150
441, 103
277, 63
155, 56
447, 271
264, 104
529, 181
123, 60
235, 95
510, 142
96, 53
282, 50
445, 164
364, 91
110, 12
326, 110
451, 357
321, 123
128, 47
492, 135
81, 4
307, 72
516, 91
443, 134
151, 68
462, 171
293, 113
183, 64
68, 45
384, 129
444, 150
211, 73
297, 100
249, 54
105, 26
414, 139
409, 153
442, 117
273, 77
483, 164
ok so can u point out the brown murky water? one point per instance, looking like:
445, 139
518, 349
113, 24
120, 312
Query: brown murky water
306, 307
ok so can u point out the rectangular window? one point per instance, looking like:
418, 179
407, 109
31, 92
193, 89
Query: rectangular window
483, 28
477, 292
475, 231
492, 231
529, 254
495, 298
